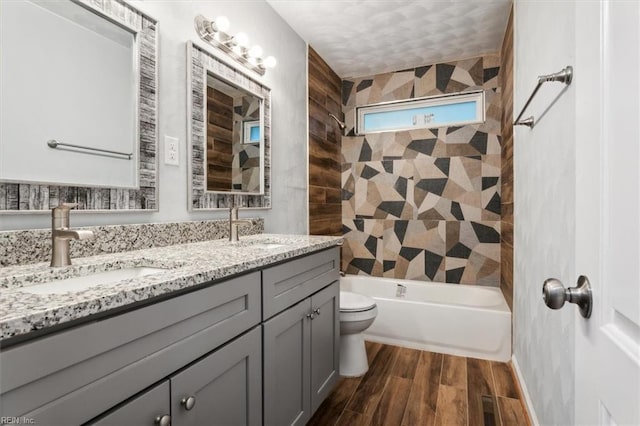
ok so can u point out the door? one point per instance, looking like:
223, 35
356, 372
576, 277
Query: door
223, 388
325, 343
607, 346
287, 360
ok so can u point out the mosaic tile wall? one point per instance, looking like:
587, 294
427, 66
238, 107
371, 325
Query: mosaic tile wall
424, 204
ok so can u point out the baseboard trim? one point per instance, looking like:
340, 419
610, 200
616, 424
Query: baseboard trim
524, 391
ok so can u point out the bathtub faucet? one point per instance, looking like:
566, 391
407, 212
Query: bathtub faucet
401, 290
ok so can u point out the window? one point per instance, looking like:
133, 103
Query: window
251, 132
435, 111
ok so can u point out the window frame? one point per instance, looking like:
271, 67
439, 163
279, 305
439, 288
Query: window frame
427, 101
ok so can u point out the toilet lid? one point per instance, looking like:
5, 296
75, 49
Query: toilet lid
355, 302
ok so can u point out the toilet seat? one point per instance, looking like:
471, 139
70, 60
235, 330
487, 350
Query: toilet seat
353, 302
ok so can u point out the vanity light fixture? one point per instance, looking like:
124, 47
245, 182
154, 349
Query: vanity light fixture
237, 46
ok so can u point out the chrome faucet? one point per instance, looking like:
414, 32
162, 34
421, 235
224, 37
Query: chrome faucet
61, 235
234, 222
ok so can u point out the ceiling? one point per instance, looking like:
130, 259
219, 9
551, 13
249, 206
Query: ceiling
365, 37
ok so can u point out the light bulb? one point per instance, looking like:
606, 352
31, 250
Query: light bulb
222, 24
241, 39
253, 61
255, 51
269, 62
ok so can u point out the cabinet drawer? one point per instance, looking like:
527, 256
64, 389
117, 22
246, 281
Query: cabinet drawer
141, 410
286, 284
71, 376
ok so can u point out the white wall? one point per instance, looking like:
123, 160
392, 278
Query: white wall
544, 167
289, 105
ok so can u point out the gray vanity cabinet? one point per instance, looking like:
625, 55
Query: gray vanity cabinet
301, 336
301, 356
287, 363
260, 348
70, 377
224, 388
325, 343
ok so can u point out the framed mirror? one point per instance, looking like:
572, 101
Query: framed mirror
234, 138
84, 131
229, 135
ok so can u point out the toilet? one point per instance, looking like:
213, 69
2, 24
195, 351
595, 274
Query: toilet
357, 313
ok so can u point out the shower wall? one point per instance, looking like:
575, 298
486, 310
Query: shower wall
506, 234
424, 204
324, 148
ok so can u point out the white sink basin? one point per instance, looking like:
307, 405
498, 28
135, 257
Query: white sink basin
267, 246
85, 282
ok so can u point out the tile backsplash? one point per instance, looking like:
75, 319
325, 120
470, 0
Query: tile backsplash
34, 245
424, 204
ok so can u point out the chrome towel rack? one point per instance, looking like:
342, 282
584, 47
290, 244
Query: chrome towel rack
565, 76
55, 144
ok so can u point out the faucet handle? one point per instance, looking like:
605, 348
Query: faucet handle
62, 213
65, 206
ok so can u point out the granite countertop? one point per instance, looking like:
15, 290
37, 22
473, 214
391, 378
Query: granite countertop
187, 265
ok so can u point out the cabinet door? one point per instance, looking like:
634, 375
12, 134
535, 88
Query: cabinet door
325, 343
224, 388
287, 341
150, 408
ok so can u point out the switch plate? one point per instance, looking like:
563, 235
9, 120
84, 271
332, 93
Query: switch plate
171, 155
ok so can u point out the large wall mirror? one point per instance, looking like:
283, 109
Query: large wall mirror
79, 98
229, 129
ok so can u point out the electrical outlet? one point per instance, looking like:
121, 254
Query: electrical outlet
171, 155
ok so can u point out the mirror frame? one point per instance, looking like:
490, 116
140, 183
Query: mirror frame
41, 197
199, 63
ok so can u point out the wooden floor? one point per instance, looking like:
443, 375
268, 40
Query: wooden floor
411, 387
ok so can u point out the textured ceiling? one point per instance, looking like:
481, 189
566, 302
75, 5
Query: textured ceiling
364, 37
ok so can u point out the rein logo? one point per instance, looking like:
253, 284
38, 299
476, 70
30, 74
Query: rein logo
9, 420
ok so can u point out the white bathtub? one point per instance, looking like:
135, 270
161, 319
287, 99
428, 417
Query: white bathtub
456, 319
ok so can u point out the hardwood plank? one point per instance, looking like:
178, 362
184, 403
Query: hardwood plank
511, 412
393, 402
452, 406
505, 383
482, 409
406, 363
421, 405
366, 398
351, 418
325, 226
317, 194
372, 349
454, 371
479, 385
479, 377
330, 410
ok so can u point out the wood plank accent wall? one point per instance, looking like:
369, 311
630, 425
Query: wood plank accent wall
325, 204
506, 236
219, 140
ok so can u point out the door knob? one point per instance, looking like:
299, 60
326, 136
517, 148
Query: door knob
555, 295
163, 420
188, 403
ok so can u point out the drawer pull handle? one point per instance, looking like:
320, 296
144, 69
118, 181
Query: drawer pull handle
188, 403
163, 420
317, 311
310, 316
